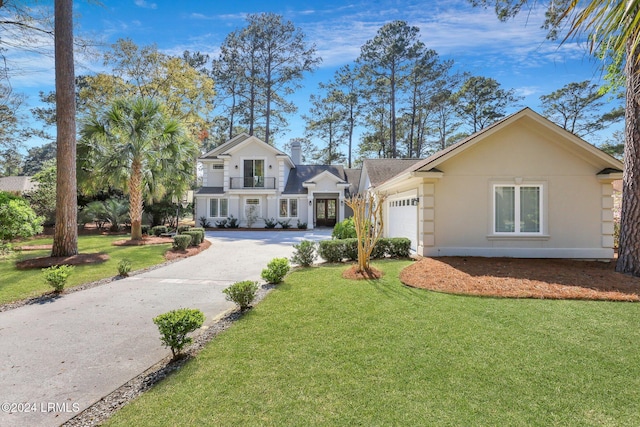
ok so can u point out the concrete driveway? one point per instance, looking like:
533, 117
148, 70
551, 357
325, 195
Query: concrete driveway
60, 357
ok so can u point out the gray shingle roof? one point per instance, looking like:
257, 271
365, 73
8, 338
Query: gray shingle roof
210, 190
380, 170
303, 173
221, 149
17, 184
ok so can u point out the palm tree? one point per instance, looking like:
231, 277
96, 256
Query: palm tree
135, 147
613, 28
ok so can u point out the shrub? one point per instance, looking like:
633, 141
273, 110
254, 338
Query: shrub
305, 253
145, 229
270, 222
285, 224
232, 222
399, 247
182, 228
302, 225
242, 293
198, 229
345, 229
331, 250
196, 237
175, 325
57, 275
350, 249
380, 248
276, 270
204, 222
17, 219
124, 267
159, 229
181, 241
222, 223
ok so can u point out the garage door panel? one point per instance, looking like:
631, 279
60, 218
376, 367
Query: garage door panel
403, 219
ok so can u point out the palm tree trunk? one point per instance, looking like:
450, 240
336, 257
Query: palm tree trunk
65, 237
135, 199
629, 247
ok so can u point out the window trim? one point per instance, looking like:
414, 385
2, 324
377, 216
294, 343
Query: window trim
218, 202
517, 213
288, 205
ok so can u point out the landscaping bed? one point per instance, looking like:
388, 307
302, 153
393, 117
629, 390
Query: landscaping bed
522, 278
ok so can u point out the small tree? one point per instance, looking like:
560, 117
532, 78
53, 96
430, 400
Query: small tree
17, 219
175, 325
367, 218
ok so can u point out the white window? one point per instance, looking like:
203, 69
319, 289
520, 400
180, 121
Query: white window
288, 208
517, 209
252, 208
218, 208
217, 166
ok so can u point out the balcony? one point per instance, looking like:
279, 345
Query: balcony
253, 183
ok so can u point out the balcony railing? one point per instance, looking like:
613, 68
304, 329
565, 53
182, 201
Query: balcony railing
253, 182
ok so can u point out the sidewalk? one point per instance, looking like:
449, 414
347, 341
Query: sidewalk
61, 357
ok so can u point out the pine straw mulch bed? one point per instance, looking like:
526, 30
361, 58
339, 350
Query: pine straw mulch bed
522, 278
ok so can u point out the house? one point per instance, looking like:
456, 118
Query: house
17, 184
523, 187
252, 181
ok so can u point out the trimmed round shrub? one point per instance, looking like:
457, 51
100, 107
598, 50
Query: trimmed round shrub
183, 228
181, 241
276, 270
159, 229
332, 250
380, 249
196, 237
175, 325
399, 247
305, 253
242, 293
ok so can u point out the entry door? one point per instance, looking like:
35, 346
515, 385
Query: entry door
326, 212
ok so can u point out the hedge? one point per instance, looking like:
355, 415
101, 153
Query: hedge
338, 249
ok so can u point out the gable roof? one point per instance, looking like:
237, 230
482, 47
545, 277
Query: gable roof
235, 143
380, 170
430, 164
306, 173
17, 184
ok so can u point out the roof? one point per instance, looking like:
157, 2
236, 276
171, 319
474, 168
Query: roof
17, 184
353, 178
430, 163
380, 170
304, 173
210, 190
228, 147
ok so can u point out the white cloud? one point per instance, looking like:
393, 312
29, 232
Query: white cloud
145, 4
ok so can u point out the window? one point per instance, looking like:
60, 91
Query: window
252, 208
288, 208
218, 208
217, 166
517, 209
254, 173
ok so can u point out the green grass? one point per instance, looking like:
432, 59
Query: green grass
19, 284
321, 350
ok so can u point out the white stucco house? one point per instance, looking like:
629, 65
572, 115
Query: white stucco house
245, 176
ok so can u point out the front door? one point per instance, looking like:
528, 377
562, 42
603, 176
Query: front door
326, 212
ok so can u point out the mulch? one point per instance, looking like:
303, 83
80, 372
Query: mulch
353, 273
80, 259
522, 278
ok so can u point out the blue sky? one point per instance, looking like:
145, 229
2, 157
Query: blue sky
515, 53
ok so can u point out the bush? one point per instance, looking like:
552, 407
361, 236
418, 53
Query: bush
399, 247
350, 249
196, 237
270, 222
159, 229
57, 275
242, 293
380, 249
182, 228
222, 223
124, 267
285, 224
305, 253
175, 325
204, 222
302, 225
345, 229
232, 222
181, 241
198, 229
145, 229
276, 270
332, 250
17, 219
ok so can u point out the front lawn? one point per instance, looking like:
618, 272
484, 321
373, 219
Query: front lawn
321, 350
19, 284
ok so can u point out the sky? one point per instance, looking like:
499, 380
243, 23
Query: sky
514, 53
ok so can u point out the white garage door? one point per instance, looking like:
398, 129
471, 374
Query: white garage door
403, 218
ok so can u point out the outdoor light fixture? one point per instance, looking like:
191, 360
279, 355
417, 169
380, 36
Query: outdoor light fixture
236, 166
270, 166
341, 202
310, 202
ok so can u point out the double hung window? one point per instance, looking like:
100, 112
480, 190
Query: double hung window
218, 208
517, 209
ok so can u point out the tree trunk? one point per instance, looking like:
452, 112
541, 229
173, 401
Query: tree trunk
629, 246
135, 199
65, 238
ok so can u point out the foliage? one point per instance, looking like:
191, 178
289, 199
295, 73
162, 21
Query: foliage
270, 222
232, 222
252, 215
336, 250
57, 275
175, 325
115, 211
276, 270
304, 253
398, 247
222, 223
204, 222
181, 241
17, 219
159, 230
196, 236
43, 198
124, 267
285, 224
301, 225
368, 221
136, 147
332, 250
242, 293
344, 229
182, 228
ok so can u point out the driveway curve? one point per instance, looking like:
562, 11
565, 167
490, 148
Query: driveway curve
60, 357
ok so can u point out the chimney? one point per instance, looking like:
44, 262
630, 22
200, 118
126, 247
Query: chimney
296, 152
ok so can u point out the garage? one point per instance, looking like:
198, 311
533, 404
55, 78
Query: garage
402, 218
